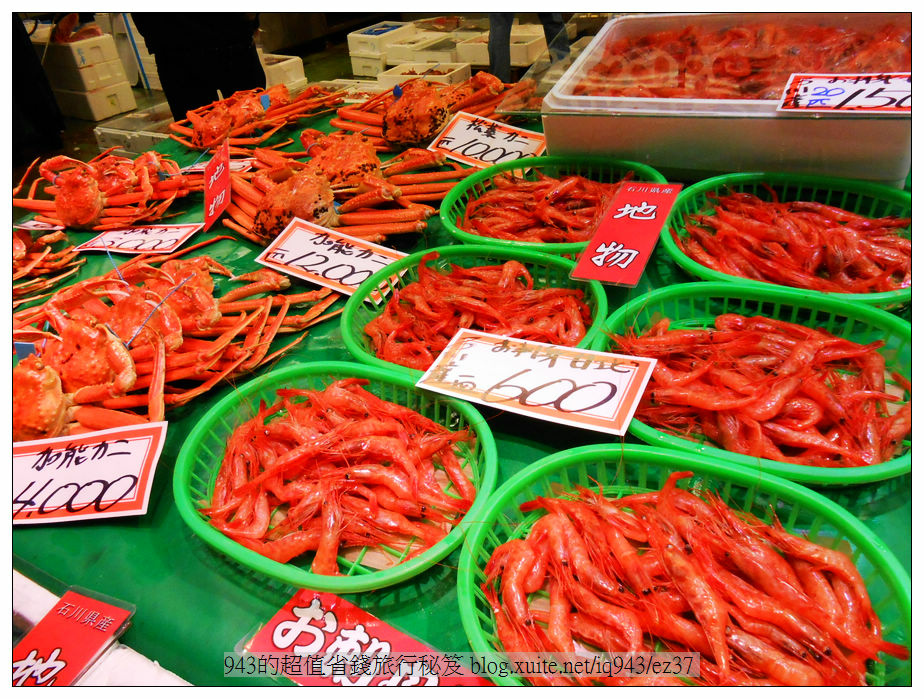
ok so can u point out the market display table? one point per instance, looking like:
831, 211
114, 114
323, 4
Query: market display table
194, 605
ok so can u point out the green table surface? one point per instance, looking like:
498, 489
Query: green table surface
194, 605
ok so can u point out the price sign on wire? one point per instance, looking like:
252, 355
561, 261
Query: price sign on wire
869, 93
320, 639
317, 254
217, 184
481, 142
627, 233
142, 239
593, 390
67, 640
88, 476
34, 225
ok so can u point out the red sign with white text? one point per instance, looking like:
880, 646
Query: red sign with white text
628, 230
66, 641
217, 184
319, 639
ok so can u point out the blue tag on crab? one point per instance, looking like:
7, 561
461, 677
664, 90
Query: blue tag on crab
265, 102
397, 91
24, 349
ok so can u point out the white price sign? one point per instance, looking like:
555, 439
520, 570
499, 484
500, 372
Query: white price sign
479, 141
38, 226
582, 388
234, 165
317, 254
96, 474
142, 239
877, 93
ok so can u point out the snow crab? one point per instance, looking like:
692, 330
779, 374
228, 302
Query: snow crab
247, 112
37, 266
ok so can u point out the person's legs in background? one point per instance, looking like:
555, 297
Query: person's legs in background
556, 37
499, 44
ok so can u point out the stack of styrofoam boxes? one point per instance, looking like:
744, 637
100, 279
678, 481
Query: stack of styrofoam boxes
407, 48
87, 78
284, 70
368, 46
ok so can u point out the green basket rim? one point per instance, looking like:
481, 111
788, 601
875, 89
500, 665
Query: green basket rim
645, 173
349, 329
859, 535
289, 573
797, 472
872, 189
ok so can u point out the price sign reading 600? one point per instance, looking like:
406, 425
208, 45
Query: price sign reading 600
594, 390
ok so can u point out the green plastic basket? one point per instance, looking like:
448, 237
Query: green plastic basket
599, 169
623, 469
201, 456
696, 305
865, 198
546, 270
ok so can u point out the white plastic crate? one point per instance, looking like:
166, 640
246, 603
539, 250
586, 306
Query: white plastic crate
403, 49
368, 65
88, 78
450, 73
374, 39
96, 105
696, 138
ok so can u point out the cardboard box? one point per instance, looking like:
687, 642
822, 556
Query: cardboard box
368, 65
450, 73
88, 78
374, 39
96, 105
691, 139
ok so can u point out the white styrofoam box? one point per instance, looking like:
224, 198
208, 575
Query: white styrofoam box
89, 77
441, 52
531, 29
525, 48
402, 50
356, 91
368, 65
578, 46
474, 51
296, 87
374, 39
149, 65
104, 21
696, 138
450, 73
96, 105
464, 34
77, 54
137, 132
282, 69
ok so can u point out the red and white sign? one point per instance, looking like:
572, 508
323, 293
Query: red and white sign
867, 93
142, 239
481, 142
317, 254
66, 641
626, 235
217, 184
107, 473
319, 639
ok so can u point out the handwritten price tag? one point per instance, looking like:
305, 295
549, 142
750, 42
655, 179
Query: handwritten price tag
317, 633
38, 226
478, 141
97, 474
143, 239
837, 92
67, 640
317, 254
235, 165
593, 390
627, 233
217, 184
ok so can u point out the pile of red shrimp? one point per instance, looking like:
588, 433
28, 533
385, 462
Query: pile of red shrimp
547, 210
801, 244
420, 319
750, 61
328, 470
668, 570
773, 389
